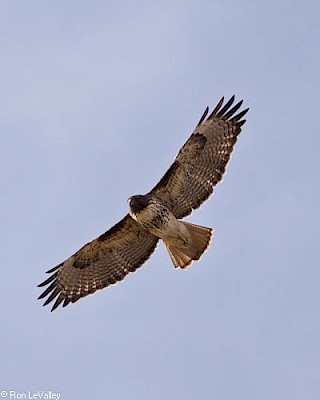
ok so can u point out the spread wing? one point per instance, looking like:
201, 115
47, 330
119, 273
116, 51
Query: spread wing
201, 162
104, 261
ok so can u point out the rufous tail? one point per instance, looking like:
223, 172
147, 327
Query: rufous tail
200, 239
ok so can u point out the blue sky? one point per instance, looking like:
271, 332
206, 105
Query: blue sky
96, 100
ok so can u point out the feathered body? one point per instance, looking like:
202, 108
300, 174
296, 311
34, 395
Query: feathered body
185, 242
190, 180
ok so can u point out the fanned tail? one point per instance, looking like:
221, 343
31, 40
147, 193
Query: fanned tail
200, 239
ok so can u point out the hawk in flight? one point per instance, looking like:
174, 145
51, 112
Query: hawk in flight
191, 179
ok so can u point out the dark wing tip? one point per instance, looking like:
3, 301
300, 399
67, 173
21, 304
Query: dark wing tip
225, 112
52, 296
58, 301
203, 116
217, 108
225, 107
66, 301
52, 291
238, 117
54, 269
47, 290
47, 281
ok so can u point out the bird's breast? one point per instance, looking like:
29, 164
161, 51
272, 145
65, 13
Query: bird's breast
155, 217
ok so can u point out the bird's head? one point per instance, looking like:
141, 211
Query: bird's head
137, 203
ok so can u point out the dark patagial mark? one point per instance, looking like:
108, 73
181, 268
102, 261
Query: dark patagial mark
199, 139
166, 177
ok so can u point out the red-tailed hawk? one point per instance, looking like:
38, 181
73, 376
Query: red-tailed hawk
191, 179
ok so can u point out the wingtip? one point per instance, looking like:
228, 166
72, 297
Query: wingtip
55, 305
47, 301
54, 269
217, 108
203, 116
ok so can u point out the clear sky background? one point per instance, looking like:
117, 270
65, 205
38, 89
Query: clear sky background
96, 99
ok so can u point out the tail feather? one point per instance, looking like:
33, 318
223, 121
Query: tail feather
183, 255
